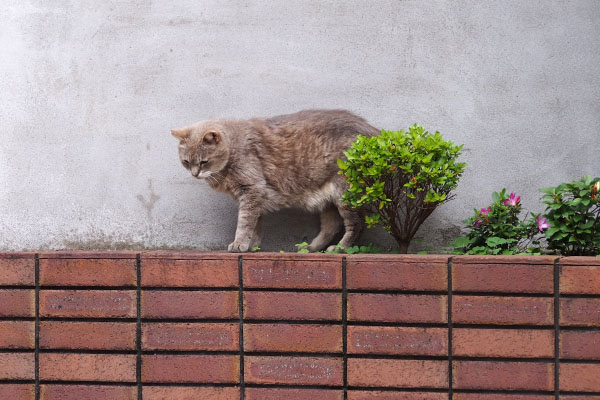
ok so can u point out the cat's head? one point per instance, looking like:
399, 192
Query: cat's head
203, 148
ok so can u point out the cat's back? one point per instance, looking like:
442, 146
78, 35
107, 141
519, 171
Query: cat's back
335, 125
298, 152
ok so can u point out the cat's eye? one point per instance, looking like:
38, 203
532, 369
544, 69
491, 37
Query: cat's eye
186, 163
204, 162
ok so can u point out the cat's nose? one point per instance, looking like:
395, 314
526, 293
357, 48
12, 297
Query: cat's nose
195, 171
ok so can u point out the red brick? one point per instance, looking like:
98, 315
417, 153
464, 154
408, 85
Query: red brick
17, 271
375, 395
190, 304
17, 391
191, 336
579, 397
88, 303
582, 345
293, 394
397, 308
287, 370
17, 366
87, 335
17, 303
580, 312
87, 367
580, 279
397, 340
397, 373
190, 368
579, 377
88, 392
509, 343
293, 306
190, 393
503, 396
507, 278
397, 274
293, 338
87, 272
17, 335
190, 273
503, 375
304, 274
502, 310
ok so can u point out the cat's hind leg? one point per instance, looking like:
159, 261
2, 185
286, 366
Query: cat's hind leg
331, 222
353, 225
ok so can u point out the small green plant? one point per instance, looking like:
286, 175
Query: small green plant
370, 249
302, 247
573, 211
338, 249
399, 178
498, 229
256, 248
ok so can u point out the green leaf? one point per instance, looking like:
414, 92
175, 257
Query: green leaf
495, 241
460, 242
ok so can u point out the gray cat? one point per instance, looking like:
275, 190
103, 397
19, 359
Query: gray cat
267, 164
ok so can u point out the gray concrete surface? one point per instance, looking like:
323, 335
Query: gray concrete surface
89, 91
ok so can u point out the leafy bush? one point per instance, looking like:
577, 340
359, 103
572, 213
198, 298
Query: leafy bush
400, 177
573, 210
498, 229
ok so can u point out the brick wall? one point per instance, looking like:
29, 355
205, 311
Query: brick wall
165, 325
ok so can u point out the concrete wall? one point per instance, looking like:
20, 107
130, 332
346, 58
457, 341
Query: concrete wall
89, 91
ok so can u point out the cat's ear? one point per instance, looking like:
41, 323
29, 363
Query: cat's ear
180, 134
211, 138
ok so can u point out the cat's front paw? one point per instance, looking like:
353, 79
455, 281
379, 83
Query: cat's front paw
238, 247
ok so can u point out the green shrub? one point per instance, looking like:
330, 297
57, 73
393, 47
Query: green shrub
573, 211
398, 178
498, 229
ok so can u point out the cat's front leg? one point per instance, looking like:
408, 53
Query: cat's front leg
246, 231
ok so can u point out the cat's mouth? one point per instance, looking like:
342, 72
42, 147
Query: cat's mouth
204, 175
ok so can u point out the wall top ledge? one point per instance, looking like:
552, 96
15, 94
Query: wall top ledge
17, 255
188, 255
405, 258
544, 260
579, 260
400, 258
89, 254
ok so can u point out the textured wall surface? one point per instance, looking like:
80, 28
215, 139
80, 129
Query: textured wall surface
89, 91
216, 326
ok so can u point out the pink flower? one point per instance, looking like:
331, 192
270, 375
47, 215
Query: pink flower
485, 211
513, 200
477, 223
542, 223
